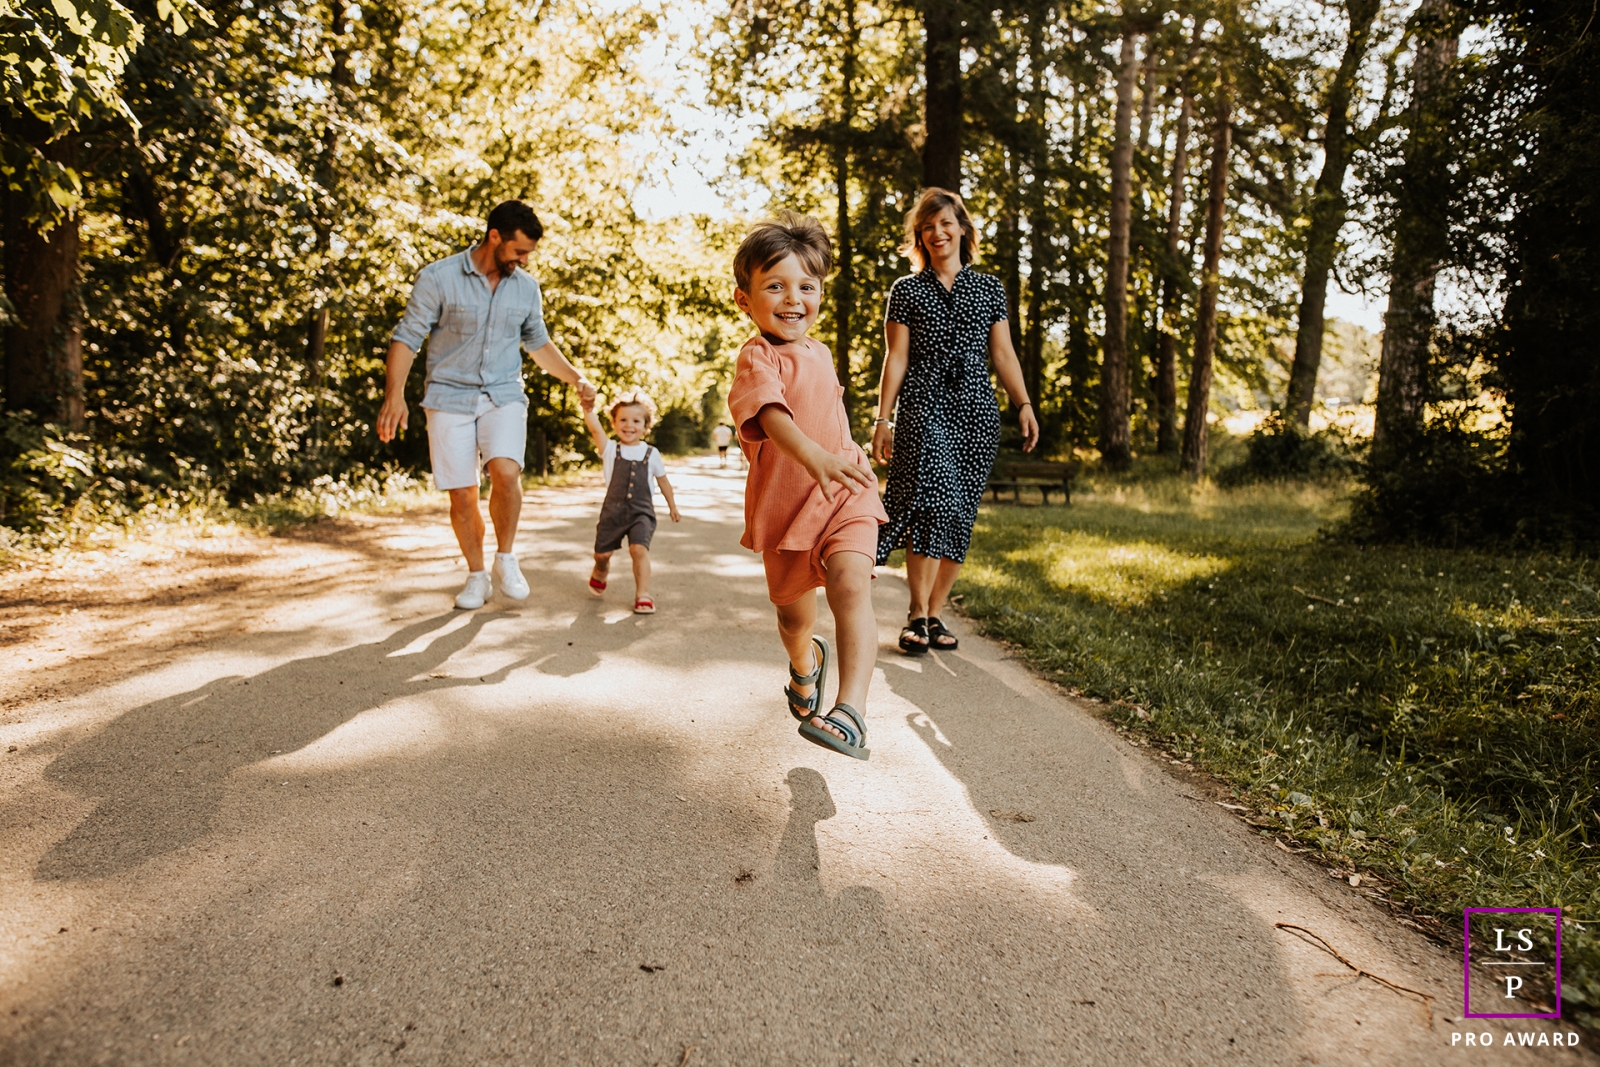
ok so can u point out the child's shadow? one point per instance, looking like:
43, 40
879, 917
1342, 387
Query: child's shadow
797, 890
579, 649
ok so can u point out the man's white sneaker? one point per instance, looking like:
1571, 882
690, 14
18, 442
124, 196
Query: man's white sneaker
476, 591
512, 583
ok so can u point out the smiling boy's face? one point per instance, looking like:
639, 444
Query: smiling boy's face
783, 300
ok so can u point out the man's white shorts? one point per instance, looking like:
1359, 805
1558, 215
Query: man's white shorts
459, 445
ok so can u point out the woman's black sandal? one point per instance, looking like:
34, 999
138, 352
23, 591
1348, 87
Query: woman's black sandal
940, 638
847, 721
803, 708
914, 628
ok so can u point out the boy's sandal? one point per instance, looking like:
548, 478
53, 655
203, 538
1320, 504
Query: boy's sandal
803, 708
644, 606
596, 586
909, 637
849, 722
940, 637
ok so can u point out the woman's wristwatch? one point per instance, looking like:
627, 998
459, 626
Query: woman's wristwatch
883, 422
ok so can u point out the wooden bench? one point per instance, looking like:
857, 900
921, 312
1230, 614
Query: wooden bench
1045, 477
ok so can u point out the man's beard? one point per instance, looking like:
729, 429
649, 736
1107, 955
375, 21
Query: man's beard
505, 267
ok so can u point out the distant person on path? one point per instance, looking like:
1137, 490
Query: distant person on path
811, 505
723, 436
478, 310
629, 466
944, 323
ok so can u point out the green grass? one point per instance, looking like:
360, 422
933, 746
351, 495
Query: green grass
1428, 718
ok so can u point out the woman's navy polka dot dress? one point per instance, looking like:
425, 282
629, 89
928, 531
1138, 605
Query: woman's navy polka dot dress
947, 424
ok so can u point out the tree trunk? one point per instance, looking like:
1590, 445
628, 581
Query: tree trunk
942, 118
1195, 426
1041, 251
1115, 436
1167, 351
1328, 208
44, 339
1419, 244
844, 282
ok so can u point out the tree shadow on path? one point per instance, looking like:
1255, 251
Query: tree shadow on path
159, 772
1166, 938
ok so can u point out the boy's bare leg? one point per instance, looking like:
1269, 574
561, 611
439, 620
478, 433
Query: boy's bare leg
467, 522
641, 570
505, 502
796, 623
855, 627
602, 566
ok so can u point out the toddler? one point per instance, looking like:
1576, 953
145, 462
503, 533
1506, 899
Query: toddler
811, 503
629, 510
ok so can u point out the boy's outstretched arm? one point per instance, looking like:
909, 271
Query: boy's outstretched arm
596, 432
666, 491
821, 464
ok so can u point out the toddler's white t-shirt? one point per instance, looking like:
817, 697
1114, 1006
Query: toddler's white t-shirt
608, 458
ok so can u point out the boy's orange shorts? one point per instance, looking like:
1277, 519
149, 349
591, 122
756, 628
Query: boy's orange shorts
791, 575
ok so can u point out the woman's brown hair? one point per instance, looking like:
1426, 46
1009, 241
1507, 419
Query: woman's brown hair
930, 203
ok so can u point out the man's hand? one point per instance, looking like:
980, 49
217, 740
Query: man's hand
883, 442
394, 415
586, 393
828, 468
672, 509
587, 402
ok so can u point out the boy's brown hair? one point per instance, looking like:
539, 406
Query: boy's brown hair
787, 233
634, 398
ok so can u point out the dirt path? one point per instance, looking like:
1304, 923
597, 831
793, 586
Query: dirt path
272, 801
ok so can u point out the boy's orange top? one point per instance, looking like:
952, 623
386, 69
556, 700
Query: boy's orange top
784, 508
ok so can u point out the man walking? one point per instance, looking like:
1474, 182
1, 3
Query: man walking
478, 310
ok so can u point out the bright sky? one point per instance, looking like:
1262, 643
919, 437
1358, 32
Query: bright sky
707, 142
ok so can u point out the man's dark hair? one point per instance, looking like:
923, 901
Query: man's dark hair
513, 216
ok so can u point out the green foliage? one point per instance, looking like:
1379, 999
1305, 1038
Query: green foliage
1446, 486
62, 63
42, 472
1430, 716
1279, 450
293, 159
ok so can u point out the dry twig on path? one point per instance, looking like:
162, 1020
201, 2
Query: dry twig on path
1313, 596
1319, 942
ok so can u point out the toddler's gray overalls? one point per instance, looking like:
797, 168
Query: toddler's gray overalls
630, 509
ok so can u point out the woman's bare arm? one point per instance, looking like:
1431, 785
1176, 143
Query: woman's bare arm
896, 358
1009, 368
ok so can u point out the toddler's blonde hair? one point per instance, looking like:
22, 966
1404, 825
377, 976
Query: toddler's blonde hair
634, 398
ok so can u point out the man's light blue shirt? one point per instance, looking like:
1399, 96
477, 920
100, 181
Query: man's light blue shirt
475, 335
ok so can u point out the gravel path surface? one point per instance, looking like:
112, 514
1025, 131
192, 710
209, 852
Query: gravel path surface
341, 823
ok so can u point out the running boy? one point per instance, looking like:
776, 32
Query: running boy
723, 436
811, 503
630, 509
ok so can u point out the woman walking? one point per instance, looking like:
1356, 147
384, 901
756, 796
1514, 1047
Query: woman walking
943, 326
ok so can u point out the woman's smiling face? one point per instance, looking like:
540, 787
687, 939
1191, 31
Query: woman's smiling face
783, 299
941, 235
